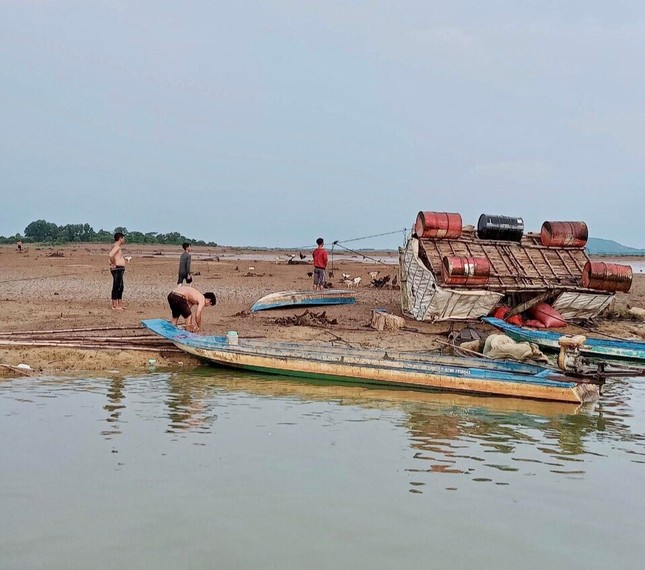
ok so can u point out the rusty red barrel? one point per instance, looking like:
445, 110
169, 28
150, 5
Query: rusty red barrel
564, 234
607, 276
465, 270
437, 225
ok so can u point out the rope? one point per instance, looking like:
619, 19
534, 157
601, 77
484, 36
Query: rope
339, 242
404, 230
358, 253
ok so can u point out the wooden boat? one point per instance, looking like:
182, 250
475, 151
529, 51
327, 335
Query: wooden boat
381, 367
593, 347
304, 298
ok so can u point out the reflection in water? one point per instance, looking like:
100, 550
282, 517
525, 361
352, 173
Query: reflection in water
484, 439
358, 475
114, 406
190, 405
467, 437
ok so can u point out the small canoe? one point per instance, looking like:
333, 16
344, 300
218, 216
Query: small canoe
382, 367
304, 298
593, 347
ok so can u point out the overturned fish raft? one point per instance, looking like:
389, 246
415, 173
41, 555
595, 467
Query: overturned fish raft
449, 272
381, 367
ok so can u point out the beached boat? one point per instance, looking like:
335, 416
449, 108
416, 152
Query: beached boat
381, 367
304, 298
593, 347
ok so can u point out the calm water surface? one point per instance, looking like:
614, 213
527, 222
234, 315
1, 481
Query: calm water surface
219, 470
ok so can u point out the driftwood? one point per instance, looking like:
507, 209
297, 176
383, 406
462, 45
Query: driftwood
307, 319
18, 370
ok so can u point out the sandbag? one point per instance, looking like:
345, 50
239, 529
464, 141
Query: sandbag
637, 312
516, 320
499, 346
547, 315
503, 310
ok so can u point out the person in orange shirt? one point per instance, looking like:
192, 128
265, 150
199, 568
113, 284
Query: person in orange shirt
320, 264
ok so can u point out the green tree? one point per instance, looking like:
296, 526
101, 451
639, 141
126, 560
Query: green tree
41, 230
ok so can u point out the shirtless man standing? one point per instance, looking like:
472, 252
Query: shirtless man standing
182, 299
117, 269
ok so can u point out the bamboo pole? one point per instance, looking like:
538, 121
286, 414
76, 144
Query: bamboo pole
88, 345
90, 329
136, 340
473, 352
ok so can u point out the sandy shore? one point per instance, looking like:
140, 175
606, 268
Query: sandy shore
42, 292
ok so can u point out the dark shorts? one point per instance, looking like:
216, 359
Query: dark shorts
179, 306
319, 276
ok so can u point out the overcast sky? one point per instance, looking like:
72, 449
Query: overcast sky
274, 122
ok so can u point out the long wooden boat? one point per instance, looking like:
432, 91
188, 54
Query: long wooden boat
593, 347
304, 298
382, 367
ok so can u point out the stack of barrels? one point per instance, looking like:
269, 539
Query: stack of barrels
597, 275
476, 271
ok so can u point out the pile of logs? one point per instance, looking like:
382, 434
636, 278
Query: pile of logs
96, 338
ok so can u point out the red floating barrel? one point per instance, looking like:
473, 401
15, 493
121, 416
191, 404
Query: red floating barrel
607, 276
465, 270
564, 234
437, 225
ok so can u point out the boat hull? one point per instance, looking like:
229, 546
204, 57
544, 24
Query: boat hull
378, 367
284, 299
633, 351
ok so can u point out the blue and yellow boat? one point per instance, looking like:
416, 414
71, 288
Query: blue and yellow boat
382, 367
598, 348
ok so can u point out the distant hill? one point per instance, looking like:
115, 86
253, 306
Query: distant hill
597, 246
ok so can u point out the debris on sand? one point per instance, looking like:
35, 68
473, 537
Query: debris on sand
244, 313
382, 320
307, 319
56, 254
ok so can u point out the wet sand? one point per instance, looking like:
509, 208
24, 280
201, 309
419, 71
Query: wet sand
41, 292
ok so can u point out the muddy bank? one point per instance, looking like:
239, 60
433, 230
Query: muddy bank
39, 292
62, 360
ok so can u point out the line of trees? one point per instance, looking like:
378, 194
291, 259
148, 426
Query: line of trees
42, 231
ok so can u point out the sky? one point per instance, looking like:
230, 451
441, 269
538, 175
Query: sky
272, 123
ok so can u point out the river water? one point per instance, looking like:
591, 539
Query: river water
213, 469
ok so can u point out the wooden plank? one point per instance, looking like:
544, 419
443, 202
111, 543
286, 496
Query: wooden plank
528, 304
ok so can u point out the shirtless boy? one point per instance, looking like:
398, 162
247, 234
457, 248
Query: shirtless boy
182, 299
117, 269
